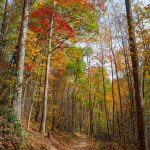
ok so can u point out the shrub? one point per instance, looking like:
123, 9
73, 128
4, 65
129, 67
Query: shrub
11, 133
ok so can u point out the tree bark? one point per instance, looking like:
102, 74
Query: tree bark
141, 124
22, 41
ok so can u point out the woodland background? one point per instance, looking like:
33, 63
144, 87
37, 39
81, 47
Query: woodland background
74, 66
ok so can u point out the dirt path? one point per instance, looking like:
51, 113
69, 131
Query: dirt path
82, 142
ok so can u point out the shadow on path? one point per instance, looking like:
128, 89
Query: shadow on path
82, 142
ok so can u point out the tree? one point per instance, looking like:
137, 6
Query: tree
141, 124
21, 56
44, 112
48, 24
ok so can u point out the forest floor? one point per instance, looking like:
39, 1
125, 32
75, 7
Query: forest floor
66, 141
82, 142
57, 141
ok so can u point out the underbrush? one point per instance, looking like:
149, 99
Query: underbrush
12, 135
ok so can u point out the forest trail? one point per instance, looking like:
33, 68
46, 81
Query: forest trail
82, 142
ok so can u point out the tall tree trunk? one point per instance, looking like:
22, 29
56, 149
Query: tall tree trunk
112, 76
21, 50
113, 117
119, 93
126, 58
131, 93
44, 111
104, 93
141, 124
90, 96
128, 70
128, 74
103, 83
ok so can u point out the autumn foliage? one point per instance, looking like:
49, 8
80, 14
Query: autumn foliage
41, 22
70, 66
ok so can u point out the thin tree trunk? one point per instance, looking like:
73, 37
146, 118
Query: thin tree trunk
113, 120
74, 102
31, 108
141, 124
37, 116
104, 93
81, 117
126, 58
24, 97
112, 75
130, 88
32, 102
120, 98
22, 41
90, 97
128, 74
104, 86
44, 111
